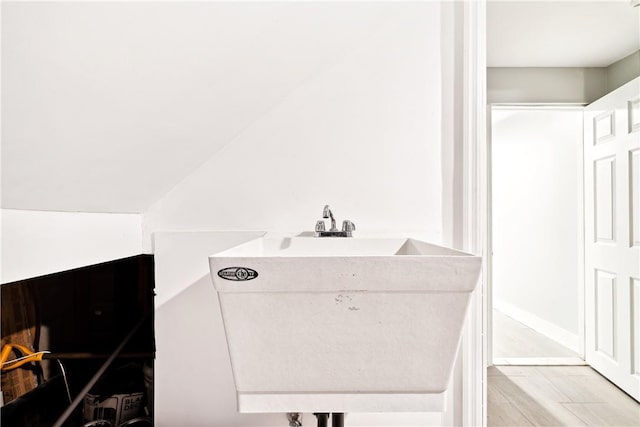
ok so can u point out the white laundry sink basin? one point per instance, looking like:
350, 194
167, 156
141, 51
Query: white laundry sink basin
342, 324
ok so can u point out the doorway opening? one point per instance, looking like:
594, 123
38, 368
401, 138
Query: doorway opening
537, 234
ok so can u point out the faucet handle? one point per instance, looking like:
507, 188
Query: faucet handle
348, 225
320, 225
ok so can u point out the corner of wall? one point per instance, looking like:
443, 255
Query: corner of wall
622, 71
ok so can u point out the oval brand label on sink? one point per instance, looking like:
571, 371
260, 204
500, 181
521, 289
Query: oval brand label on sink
237, 274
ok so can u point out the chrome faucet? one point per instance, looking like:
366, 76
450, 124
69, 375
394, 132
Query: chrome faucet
347, 226
326, 213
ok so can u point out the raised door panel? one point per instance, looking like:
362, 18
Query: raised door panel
634, 185
634, 114
635, 325
605, 284
605, 198
604, 127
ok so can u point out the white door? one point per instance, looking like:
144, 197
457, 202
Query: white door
612, 236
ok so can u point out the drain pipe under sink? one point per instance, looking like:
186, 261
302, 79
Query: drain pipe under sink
337, 419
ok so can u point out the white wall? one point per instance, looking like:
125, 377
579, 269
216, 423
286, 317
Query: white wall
362, 136
107, 105
36, 243
535, 209
559, 85
545, 84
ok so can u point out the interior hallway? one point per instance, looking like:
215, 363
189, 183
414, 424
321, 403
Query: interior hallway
556, 396
513, 340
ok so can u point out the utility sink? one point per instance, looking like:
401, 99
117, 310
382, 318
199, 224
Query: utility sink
342, 324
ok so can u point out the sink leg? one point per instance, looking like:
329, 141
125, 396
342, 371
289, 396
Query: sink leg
337, 419
323, 419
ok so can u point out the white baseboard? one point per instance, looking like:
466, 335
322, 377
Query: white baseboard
539, 361
546, 328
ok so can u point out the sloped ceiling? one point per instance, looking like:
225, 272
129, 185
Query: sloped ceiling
107, 106
551, 33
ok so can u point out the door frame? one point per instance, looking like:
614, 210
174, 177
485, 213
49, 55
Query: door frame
486, 195
472, 222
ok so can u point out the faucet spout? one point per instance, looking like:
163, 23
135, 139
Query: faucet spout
326, 213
